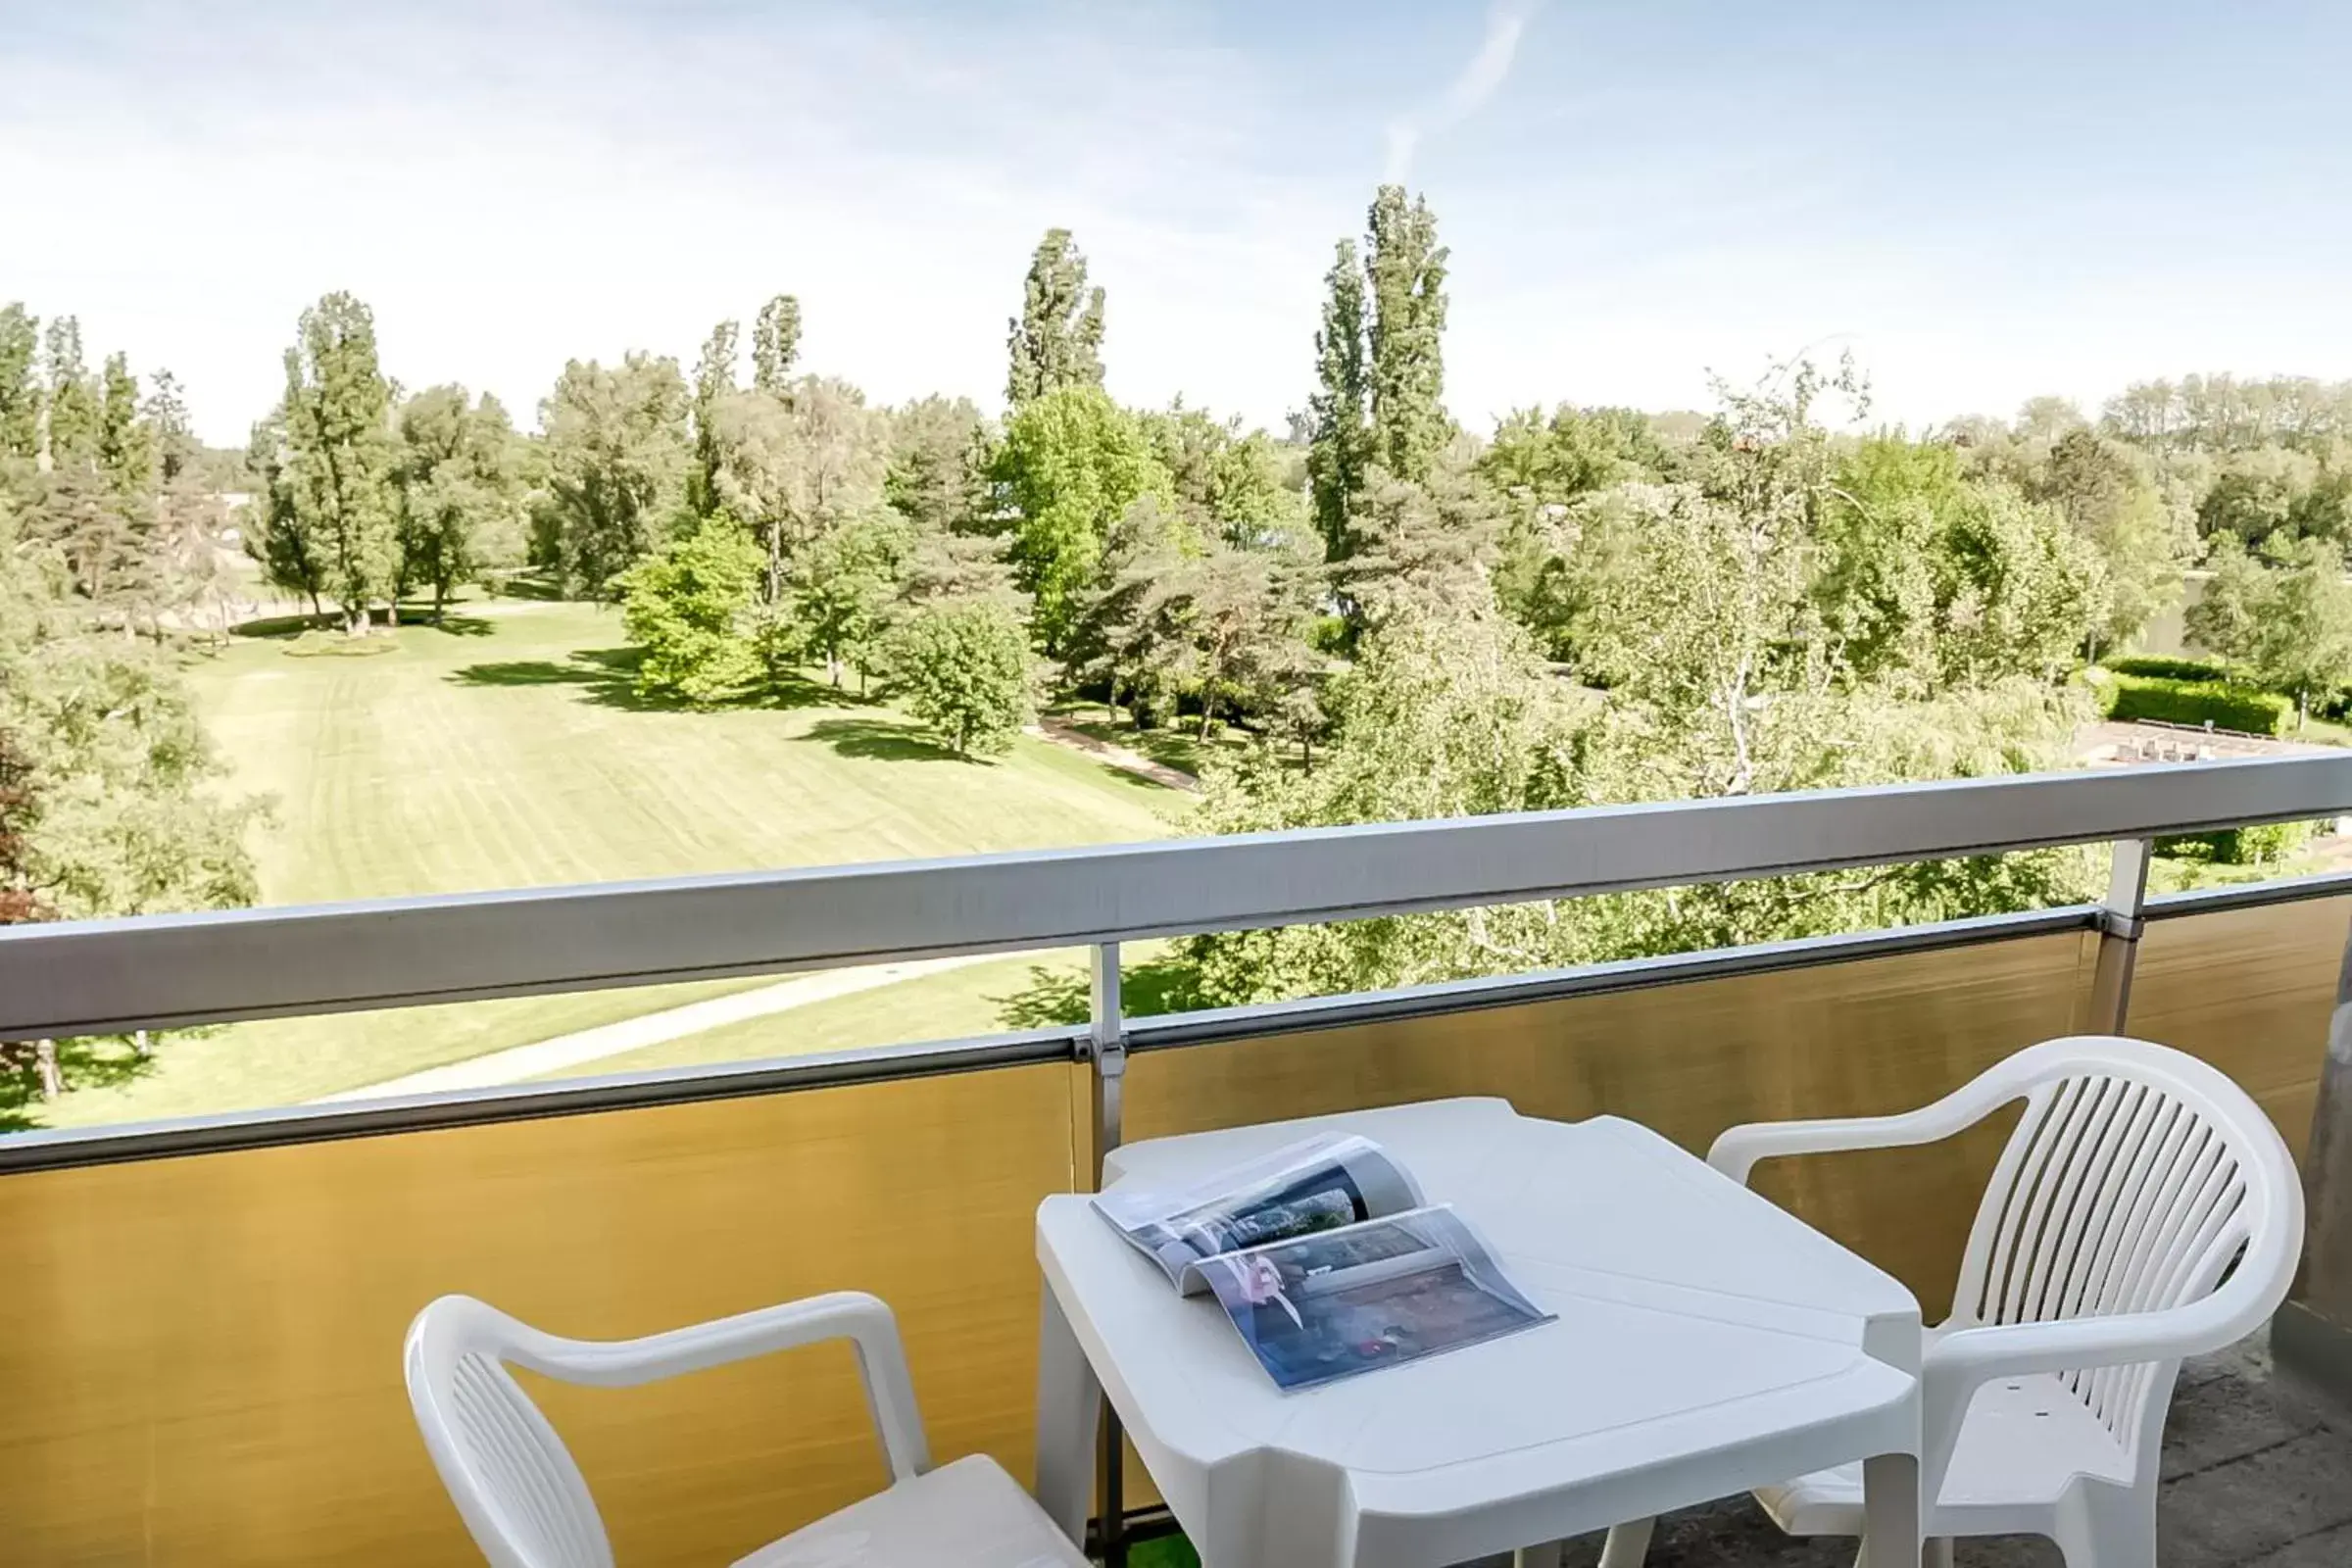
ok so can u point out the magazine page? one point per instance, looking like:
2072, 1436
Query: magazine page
1321, 1307
1320, 1184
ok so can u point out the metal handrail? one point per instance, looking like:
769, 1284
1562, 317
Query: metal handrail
107, 976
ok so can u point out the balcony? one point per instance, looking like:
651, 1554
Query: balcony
200, 1357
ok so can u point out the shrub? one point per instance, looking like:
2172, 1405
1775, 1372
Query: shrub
2263, 844
961, 665
2166, 669
2197, 703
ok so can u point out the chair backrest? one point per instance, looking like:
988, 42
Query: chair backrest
2136, 1178
513, 1483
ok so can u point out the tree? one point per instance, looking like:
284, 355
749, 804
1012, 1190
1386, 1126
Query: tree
617, 462
1228, 485
844, 586
2304, 645
280, 537
117, 814
334, 462
20, 400
795, 466
775, 344
70, 395
938, 462
2226, 619
688, 607
1057, 341
1339, 428
1405, 266
713, 382
961, 665
1070, 463
177, 448
460, 499
1419, 549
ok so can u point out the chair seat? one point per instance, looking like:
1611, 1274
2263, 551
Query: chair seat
2027, 1441
969, 1514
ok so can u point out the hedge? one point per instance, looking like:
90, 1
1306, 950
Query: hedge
2198, 702
2164, 669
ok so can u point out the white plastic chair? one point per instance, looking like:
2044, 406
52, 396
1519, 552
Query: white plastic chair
524, 1501
2102, 1254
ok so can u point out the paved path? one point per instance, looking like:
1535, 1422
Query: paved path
1062, 733
566, 1053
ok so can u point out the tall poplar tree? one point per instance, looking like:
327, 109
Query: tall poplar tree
714, 382
1405, 266
19, 392
71, 395
1340, 437
775, 344
332, 479
1058, 339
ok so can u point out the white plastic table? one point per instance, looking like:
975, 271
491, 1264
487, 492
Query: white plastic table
1707, 1343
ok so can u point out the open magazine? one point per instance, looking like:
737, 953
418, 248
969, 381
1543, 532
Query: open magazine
1326, 1259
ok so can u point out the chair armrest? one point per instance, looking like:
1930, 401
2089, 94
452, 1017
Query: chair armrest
1737, 1152
853, 1315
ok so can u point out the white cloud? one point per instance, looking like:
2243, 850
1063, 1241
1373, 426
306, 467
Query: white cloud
1467, 93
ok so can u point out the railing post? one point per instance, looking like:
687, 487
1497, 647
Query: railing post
1106, 1041
2120, 919
2312, 1335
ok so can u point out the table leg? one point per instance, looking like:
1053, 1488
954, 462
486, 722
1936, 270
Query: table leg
1890, 1512
1069, 1401
1628, 1544
1548, 1556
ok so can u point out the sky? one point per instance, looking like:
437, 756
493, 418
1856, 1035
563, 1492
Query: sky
1983, 203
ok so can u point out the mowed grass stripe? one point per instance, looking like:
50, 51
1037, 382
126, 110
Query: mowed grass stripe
456, 762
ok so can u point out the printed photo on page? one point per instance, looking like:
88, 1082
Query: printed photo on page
1325, 1307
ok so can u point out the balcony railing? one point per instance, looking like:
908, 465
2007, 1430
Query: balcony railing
199, 1344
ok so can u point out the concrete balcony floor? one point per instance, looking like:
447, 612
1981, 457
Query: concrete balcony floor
2257, 1474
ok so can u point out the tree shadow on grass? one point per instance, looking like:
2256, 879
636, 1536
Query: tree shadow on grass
607, 677
95, 1061
449, 622
1061, 996
881, 740
283, 625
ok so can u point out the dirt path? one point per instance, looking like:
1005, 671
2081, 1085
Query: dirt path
566, 1053
1062, 733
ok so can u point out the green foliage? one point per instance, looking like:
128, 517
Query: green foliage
71, 394
844, 586
2290, 623
20, 391
1931, 580
2261, 844
329, 519
115, 810
1696, 604
1070, 463
458, 469
165, 411
1228, 485
616, 459
1405, 266
2169, 668
961, 665
2197, 703
775, 343
938, 459
688, 607
795, 467
1339, 428
1057, 341
1379, 365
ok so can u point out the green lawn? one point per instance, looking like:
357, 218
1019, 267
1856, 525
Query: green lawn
510, 750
